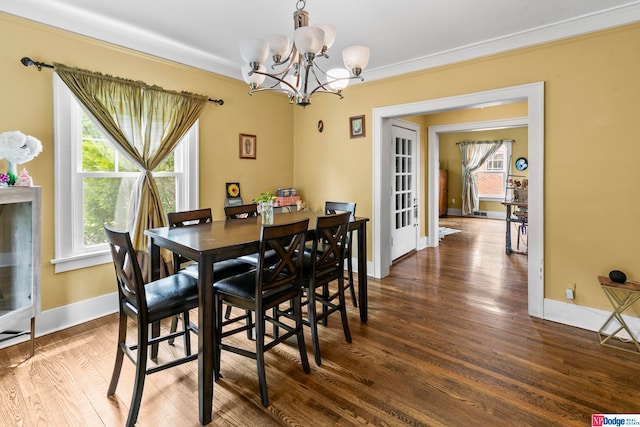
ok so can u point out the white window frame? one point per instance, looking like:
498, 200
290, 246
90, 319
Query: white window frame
70, 253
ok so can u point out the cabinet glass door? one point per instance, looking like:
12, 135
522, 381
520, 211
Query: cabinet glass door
16, 269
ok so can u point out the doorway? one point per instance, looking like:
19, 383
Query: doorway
533, 94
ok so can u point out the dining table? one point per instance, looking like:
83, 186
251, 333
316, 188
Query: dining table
220, 240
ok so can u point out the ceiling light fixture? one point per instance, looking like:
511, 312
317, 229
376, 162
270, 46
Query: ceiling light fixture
297, 73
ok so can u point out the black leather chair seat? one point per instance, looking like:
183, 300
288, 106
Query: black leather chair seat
244, 286
221, 269
171, 291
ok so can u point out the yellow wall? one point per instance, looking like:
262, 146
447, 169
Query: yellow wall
591, 126
591, 111
451, 160
27, 100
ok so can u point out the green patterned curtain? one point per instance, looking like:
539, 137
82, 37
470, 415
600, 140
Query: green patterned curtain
146, 122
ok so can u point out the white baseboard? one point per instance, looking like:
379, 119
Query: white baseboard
66, 316
591, 319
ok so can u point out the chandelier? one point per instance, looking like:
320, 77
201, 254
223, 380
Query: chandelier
294, 68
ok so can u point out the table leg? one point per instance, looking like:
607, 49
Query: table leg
362, 273
207, 336
508, 233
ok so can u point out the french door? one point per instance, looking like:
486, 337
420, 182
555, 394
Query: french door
404, 197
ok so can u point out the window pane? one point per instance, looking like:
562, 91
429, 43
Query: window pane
98, 153
105, 201
167, 189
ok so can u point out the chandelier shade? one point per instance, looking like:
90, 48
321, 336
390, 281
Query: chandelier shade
294, 70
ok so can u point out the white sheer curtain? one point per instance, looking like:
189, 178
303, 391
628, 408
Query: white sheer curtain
474, 154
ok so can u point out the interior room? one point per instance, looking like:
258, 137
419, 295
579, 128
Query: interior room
561, 83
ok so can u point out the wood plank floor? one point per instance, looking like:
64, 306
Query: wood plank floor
448, 343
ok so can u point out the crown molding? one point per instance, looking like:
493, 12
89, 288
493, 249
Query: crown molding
92, 25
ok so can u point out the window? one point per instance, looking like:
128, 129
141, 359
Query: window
93, 183
492, 175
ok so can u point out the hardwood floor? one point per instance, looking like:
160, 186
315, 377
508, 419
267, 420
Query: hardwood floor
448, 343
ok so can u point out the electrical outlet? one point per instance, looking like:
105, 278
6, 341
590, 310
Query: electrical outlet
453, 201
570, 294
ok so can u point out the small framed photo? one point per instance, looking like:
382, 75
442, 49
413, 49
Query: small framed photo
356, 126
247, 146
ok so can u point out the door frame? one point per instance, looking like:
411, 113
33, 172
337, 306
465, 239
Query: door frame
533, 94
414, 127
433, 133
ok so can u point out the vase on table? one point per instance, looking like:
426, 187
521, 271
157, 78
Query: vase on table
267, 212
12, 171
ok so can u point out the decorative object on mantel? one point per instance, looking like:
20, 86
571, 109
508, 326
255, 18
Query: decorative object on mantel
4, 180
24, 179
17, 148
298, 61
265, 206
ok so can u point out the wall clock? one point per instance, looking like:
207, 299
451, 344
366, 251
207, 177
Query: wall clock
521, 163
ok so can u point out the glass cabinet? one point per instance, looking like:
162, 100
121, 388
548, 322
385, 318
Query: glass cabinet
19, 261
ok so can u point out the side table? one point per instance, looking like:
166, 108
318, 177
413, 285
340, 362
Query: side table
622, 296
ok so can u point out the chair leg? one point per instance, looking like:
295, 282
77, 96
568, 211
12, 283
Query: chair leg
141, 371
122, 341
227, 313
187, 334
297, 310
174, 327
313, 324
155, 332
262, 378
343, 309
325, 297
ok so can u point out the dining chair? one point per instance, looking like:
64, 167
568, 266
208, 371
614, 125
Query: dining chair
262, 290
147, 305
221, 269
322, 268
242, 211
338, 207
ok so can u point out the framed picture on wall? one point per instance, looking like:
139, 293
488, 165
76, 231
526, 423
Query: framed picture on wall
247, 146
356, 126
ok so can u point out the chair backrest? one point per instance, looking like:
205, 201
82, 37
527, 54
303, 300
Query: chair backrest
331, 236
128, 274
242, 211
331, 208
287, 241
185, 219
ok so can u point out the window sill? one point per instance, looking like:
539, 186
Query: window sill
81, 261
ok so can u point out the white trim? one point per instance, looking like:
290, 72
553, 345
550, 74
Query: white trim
88, 23
66, 316
533, 93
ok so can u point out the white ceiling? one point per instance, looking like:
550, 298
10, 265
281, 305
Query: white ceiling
403, 35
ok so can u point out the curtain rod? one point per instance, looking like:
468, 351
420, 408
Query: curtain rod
28, 62
513, 141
